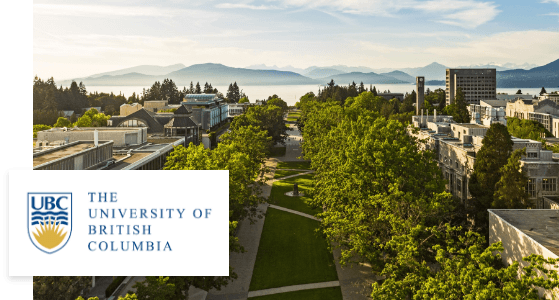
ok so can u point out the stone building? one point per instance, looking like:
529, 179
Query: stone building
544, 111
456, 146
475, 83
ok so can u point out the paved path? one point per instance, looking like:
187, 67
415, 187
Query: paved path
243, 263
295, 212
294, 175
293, 288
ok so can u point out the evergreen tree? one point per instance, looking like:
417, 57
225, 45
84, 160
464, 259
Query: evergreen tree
494, 153
361, 88
198, 89
543, 91
510, 190
236, 92
191, 90
230, 94
375, 91
519, 92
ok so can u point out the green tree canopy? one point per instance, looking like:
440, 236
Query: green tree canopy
494, 153
62, 122
510, 190
59, 287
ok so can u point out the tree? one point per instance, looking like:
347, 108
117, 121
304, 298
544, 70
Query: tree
373, 184
494, 153
519, 92
275, 100
244, 100
62, 122
466, 268
172, 287
84, 121
198, 90
543, 91
527, 129
155, 288
361, 88
458, 109
59, 287
268, 117
510, 190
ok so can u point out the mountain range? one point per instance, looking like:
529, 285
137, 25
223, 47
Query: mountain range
218, 74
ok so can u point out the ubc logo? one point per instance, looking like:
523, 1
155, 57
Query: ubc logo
49, 220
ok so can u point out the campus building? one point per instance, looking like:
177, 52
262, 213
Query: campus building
488, 112
544, 111
552, 97
456, 146
475, 83
126, 109
121, 137
524, 232
103, 155
208, 110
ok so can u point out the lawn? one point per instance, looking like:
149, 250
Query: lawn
302, 204
301, 165
277, 151
294, 114
283, 173
289, 119
331, 293
291, 252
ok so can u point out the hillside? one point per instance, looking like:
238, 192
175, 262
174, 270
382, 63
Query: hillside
546, 75
145, 69
358, 77
216, 74
323, 72
400, 76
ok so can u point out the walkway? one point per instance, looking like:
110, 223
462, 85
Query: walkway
352, 281
293, 288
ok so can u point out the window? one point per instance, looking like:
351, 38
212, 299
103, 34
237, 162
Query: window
531, 187
549, 184
459, 185
532, 154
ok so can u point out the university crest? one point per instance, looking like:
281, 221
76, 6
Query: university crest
49, 220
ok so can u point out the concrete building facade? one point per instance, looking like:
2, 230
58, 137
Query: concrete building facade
456, 146
544, 111
77, 155
524, 232
126, 109
121, 137
420, 93
475, 83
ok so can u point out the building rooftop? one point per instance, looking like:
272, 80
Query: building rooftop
469, 125
58, 152
541, 225
127, 161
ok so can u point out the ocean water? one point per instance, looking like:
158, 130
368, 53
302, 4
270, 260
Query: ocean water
292, 93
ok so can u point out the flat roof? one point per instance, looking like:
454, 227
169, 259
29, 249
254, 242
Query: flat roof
63, 152
125, 163
542, 225
470, 125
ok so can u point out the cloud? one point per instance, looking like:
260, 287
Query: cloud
119, 11
534, 46
246, 6
551, 1
462, 13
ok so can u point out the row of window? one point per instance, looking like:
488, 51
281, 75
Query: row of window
548, 185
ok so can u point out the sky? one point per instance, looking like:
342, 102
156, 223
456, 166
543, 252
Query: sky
79, 38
